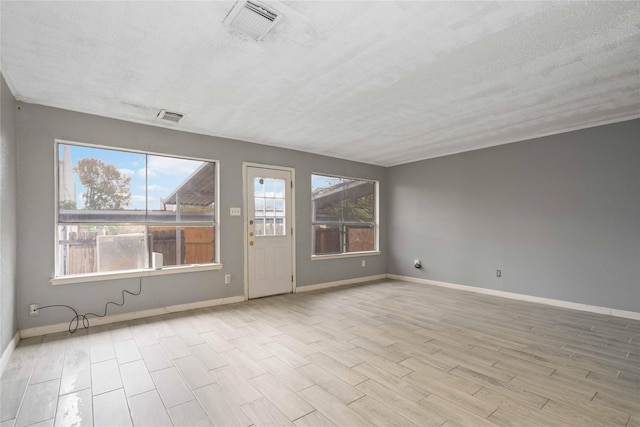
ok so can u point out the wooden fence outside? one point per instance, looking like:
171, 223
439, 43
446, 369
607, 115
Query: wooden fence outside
81, 252
196, 247
196, 244
327, 240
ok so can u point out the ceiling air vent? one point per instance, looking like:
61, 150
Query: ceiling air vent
252, 18
170, 116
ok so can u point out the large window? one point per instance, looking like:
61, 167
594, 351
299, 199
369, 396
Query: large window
121, 210
344, 215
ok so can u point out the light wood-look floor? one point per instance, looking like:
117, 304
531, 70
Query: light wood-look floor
380, 354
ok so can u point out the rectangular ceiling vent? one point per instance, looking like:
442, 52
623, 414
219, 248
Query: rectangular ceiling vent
252, 18
170, 116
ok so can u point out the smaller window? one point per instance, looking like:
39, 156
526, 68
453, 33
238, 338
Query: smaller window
344, 215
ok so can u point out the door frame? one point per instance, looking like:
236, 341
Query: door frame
245, 216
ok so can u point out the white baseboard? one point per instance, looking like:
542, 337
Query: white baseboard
340, 283
8, 352
625, 314
123, 317
522, 297
61, 327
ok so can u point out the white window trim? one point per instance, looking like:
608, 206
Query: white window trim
376, 224
344, 255
145, 272
125, 274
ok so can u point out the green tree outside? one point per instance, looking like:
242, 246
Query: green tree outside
105, 187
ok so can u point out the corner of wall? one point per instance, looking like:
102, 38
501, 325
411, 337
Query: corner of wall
8, 217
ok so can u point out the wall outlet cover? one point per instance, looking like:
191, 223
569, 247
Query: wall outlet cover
34, 310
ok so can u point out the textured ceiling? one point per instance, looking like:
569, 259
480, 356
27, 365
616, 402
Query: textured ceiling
379, 82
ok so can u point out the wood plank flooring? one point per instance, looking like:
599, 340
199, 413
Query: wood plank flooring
387, 353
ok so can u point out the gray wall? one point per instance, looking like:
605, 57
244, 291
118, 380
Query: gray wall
38, 126
8, 324
559, 215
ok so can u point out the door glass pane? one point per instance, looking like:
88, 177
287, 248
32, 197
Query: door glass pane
259, 207
279, 184
259, 227
268, 227
279, 208
270, 207
258, 185
269, 204
269, 187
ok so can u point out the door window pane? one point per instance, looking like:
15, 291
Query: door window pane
259, 227
269, 207
279, 208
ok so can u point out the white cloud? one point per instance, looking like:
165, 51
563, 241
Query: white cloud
153, 187
157, 165
127, 172
138, 201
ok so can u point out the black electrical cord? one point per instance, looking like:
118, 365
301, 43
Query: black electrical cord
75, 321
76, 318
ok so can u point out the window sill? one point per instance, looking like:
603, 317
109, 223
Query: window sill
345, 255
102, 277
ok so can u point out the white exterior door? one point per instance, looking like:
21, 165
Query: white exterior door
269, 231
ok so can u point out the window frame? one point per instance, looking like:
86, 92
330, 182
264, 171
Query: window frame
147, 271
375, 224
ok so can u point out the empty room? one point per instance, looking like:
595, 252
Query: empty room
317, 213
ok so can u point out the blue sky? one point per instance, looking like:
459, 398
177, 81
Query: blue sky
164, 173
321, 181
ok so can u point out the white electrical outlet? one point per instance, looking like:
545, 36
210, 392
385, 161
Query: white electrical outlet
34, 310
227, 279
364, 262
